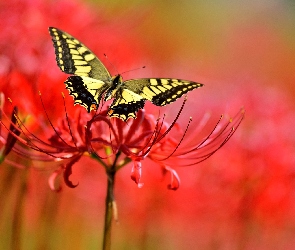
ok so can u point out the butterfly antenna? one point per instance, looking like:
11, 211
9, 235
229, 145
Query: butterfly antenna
143, 67
114, 67
117, 69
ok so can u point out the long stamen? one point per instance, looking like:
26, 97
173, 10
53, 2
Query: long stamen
29, 141
149, 142
19, 130
201, 144
175, 120
90, 140
158, 136
158, 130
134, 126
29, 137
217, 141
20, 125
182, 138
102, 118
67, 118
220, 132
15, 131
51, 122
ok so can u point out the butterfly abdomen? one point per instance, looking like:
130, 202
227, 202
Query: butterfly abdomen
115, 83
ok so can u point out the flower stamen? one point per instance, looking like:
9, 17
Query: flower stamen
181, 139
56, 132
67, 118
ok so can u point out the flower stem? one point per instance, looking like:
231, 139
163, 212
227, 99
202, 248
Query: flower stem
109, 204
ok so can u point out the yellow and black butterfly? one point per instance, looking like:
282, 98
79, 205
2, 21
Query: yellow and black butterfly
90, 81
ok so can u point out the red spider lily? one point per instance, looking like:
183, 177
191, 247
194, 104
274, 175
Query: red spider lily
149, 137
62, 149
105, 139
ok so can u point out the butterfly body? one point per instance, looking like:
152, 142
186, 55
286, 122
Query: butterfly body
116, 83
90, 81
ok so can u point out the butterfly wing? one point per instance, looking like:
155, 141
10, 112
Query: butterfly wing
160, 91
126, 104
75, 58
86, 91
91, 78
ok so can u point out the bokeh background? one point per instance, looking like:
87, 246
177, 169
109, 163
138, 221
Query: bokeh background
243, 197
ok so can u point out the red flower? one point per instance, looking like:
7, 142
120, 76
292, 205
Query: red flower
114, 143
148, 136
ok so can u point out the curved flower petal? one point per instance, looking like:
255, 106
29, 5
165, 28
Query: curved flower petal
52, 178
174, 178
136, 173
68, 172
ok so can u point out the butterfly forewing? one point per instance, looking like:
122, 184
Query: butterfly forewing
161, 91
73, 57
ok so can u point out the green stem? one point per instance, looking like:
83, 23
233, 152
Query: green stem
109, 204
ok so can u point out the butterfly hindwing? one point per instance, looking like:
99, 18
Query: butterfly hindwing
74, 58
126, 104
86, 91
160, 91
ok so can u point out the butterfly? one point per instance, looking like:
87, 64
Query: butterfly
90, 81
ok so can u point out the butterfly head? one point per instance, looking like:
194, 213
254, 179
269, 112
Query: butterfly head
116, 82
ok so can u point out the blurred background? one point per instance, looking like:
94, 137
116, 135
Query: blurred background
243, 197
